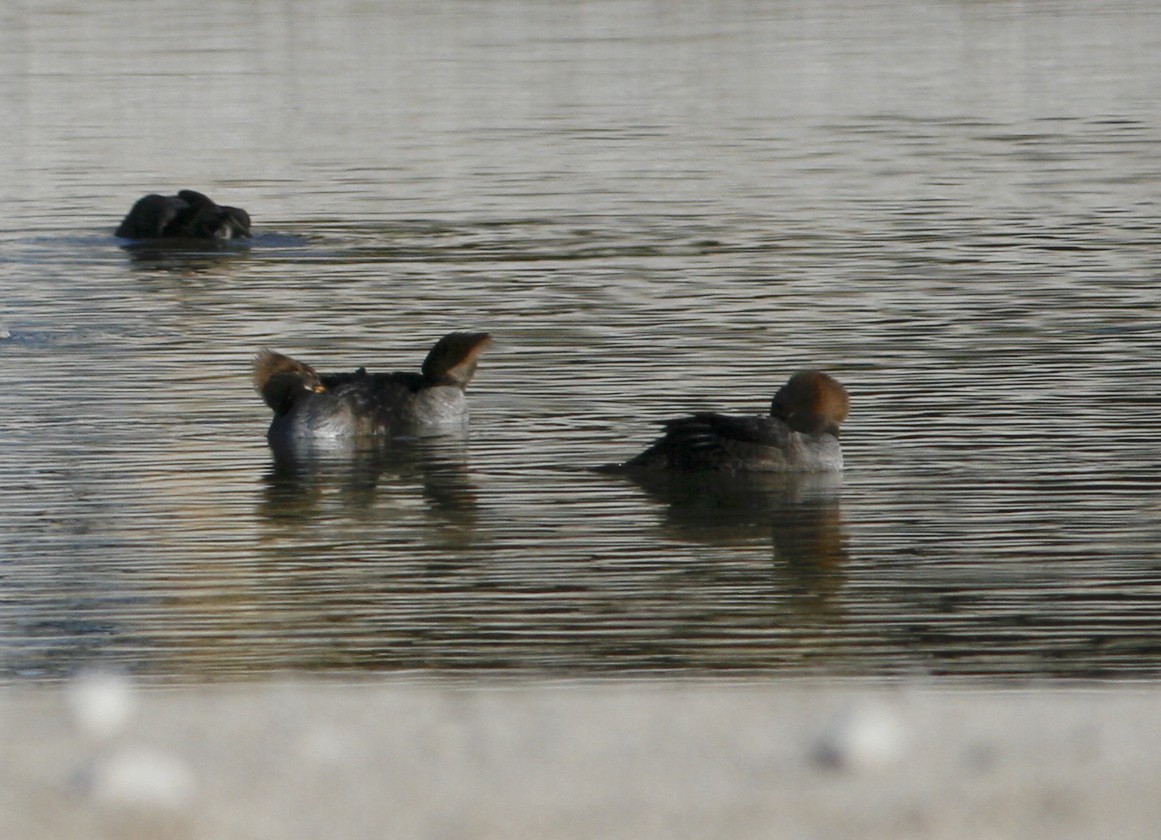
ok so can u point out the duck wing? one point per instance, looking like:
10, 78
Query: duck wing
708, 440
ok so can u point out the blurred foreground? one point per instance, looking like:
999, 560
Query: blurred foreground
101, 758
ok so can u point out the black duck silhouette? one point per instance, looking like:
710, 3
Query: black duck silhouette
187, 215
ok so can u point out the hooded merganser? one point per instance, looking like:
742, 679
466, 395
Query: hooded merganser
366, 405
801, 434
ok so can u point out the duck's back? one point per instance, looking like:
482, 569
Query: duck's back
373, 405
719, 442
370, 406
187, 215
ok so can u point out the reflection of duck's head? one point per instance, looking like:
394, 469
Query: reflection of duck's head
187, 215
812, 403
799, 435
364, 405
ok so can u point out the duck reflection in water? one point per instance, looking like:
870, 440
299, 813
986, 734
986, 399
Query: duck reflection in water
307, 482
350, 431
801, 513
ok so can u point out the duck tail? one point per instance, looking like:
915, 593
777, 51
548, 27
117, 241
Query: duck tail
453, 359
278, 378
266, 364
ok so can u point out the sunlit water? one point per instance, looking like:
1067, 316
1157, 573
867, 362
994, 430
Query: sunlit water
654, 207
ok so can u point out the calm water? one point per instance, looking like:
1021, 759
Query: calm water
654, 207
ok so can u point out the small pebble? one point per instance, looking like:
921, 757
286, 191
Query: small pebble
101, 703
861, 738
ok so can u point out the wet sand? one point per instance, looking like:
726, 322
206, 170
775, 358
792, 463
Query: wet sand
102, 759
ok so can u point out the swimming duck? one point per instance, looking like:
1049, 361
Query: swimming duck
309, 405
187, 215
801, 434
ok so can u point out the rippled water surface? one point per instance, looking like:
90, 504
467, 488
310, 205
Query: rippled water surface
654, 207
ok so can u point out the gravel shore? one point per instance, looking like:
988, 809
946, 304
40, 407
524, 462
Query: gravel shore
101, 758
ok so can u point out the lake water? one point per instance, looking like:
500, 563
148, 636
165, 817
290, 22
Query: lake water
654, 207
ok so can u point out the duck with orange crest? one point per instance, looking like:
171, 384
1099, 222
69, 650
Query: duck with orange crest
367, 406
800, 434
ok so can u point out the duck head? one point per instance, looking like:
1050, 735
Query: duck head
453, 359
811, 402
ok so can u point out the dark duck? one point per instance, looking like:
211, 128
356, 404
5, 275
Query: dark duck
187, 215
